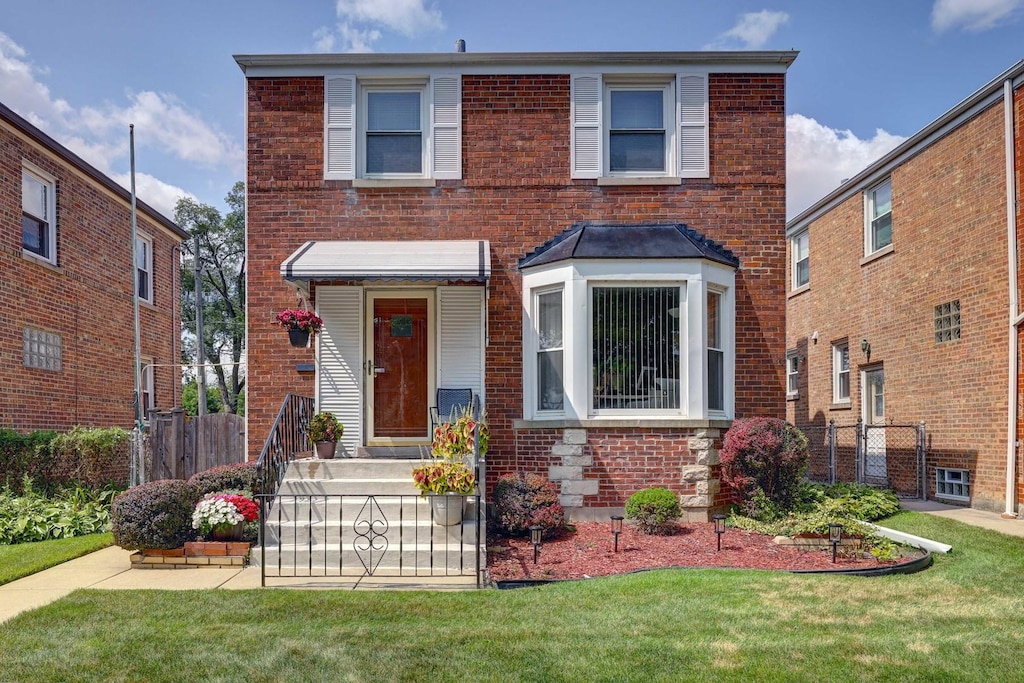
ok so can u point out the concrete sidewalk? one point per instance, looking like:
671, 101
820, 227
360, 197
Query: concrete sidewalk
111, 569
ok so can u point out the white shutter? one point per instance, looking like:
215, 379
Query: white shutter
585, 114
461, 339
339, 386
692, 123
340, 127
446, 126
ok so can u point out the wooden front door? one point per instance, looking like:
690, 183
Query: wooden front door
401, 364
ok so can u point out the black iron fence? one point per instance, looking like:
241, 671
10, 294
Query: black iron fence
357, 535
287, 437
891, 456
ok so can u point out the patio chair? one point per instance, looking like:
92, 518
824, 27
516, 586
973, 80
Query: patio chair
450, 404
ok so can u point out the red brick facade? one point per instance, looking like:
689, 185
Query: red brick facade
86, 298
949, 243
516, 192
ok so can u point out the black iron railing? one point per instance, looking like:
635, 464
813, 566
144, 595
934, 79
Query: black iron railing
287, 437
358, 535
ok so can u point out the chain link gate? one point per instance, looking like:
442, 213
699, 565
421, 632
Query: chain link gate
891, 456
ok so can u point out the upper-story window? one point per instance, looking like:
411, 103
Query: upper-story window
841, 372
392, 129
878, 210
144, 268
800, 249
639, 126
38, 214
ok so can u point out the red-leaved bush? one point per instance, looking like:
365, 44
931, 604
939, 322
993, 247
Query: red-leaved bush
764, 459
522, 500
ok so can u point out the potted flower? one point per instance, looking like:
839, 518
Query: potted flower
300, 324
222, 516
324, 430
449, 477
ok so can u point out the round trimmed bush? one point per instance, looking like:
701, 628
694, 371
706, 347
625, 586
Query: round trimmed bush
654, 510
764, 459
522, 500
155, 515
235, 477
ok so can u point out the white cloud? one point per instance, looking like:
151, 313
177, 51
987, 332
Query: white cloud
819, 158
753, 30
323, 39
21, 91
155, 192
972, 15
408, 17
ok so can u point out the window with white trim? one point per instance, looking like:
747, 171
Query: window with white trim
148, 391
792, 374
841, 372
38, 214
878, 217
41, 349
800, 249
639, 126
550, 388
952, 484
144, 268
393, 129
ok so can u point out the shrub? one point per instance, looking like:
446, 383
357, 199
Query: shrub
522, 500
95, 457
863, 502
766, 456
235, 477
24, 456
154, 515
71, 511
654, 510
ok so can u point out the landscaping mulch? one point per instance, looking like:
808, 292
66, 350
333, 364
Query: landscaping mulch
588, 551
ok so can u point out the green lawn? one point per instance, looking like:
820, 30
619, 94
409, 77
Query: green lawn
961, 620
23, 559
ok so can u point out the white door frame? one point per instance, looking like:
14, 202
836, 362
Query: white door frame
874, 438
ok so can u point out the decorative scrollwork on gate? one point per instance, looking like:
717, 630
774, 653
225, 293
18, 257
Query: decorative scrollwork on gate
371, 541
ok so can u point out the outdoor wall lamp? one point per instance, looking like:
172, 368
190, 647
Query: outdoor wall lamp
719, 520
536, 531
835, 535
865, 347
616, 529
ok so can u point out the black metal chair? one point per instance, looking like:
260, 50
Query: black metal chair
451, 403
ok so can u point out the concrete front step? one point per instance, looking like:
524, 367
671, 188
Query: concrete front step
351, 468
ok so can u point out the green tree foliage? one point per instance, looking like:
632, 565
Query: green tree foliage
222, 258
190, 399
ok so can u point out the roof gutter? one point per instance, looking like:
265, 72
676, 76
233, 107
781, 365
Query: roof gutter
1015, 318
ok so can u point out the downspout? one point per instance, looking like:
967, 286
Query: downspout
1015, 318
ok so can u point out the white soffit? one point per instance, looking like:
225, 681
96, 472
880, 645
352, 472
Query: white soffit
407, 260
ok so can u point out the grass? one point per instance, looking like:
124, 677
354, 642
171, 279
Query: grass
23, 559
961, 620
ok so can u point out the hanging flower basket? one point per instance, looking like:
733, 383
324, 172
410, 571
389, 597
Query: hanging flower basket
298, 338
300, 324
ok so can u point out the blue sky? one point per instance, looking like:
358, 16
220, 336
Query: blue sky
869, 73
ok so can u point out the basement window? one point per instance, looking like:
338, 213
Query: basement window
952, 484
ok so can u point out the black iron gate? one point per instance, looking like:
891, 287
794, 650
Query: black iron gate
891, 455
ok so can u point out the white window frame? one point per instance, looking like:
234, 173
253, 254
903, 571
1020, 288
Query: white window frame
948, 477
147, 241
365, 89
50, 183
668, 118
838, 372
148, 387
870, 247
792, 374
538, 350
693, 276
803, 236
720, 294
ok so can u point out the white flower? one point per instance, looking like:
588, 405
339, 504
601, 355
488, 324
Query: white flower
214, 512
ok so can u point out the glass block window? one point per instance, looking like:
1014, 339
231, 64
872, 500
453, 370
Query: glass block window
953, 484
947, 322
41, 349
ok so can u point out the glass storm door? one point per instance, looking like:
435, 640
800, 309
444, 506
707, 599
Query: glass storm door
400, 365
874, 414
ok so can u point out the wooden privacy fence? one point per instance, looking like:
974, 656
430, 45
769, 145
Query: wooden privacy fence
178, 448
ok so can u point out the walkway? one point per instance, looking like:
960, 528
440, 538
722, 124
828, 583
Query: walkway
110, 569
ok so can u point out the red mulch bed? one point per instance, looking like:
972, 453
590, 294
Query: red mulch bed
589, 551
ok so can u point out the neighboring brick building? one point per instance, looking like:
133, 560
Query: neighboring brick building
899, 290
66, 292
593, 242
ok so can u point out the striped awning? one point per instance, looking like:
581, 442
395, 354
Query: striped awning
407, 260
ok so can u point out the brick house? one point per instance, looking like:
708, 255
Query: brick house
903, 293
592, 242
67, 290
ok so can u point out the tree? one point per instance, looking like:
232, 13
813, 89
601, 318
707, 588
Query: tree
222, 259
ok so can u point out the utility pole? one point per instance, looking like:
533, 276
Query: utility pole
200, 350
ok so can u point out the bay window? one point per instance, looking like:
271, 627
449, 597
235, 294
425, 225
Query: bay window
549, 351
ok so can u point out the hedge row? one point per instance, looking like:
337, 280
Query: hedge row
94, 458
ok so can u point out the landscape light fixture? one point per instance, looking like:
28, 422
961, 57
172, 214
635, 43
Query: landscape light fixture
719, 520
535, 533
835, 535
616, 529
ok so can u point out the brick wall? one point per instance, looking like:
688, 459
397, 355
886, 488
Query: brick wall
949, 242
515, 192
87, 299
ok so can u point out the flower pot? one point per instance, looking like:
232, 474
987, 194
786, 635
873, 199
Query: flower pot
227, 532
448, 508
325, 449
298, 337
